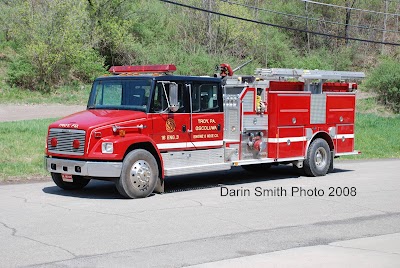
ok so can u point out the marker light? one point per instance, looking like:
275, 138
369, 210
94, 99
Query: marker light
115, 128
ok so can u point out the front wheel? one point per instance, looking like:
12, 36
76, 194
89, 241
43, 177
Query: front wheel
318, 158
139, 174
78, 182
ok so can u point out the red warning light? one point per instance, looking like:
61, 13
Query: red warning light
76, 144
166, 68
53, 142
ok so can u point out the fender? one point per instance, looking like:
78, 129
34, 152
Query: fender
122, 146
136, 141
323, 135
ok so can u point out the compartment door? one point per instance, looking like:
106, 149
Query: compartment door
344, 139
291, 142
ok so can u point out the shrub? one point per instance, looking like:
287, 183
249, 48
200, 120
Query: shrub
22, 73
385, 81
88, 65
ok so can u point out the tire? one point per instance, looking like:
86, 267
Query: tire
318, 159
120, 190
331, 166
257, 167
139, 174
78, 182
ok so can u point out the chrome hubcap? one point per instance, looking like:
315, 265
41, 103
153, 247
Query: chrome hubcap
320, 157
140, 174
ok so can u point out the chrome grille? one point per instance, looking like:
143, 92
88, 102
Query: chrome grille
65, 138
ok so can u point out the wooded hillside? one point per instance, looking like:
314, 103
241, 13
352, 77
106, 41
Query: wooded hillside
47, 43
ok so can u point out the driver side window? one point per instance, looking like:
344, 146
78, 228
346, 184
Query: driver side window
159, 102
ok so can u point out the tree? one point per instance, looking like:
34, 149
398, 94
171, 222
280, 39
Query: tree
54, 44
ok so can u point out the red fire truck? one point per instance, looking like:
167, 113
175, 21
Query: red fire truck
143, 124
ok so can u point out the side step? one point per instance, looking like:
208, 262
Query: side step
196, 169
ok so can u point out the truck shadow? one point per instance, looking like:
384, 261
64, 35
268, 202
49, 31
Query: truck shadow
236, 176
94, 190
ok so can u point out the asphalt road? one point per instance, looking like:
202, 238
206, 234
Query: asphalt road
12, 112
42, 225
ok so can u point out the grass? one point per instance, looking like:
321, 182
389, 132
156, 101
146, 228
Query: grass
22, 148
76, 95
371, 106
377, 131
377, 136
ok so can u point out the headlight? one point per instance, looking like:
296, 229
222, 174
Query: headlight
107, 147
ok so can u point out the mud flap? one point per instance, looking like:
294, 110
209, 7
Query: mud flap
159, 187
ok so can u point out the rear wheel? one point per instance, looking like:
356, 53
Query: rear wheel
139, 174
257, 167
78, 182
318, 158
331, 166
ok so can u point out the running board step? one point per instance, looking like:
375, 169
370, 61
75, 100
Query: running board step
196, 169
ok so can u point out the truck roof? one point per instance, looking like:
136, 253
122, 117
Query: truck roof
160, 78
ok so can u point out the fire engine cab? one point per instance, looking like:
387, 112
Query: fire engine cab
143, 124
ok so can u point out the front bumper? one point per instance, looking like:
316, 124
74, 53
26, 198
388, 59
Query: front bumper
83, 168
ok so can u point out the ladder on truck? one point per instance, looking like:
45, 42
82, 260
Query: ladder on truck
308, 76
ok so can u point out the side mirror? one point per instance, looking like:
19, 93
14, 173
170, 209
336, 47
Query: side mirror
173, 97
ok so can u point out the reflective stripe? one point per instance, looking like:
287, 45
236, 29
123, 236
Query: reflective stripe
342, 110
172, 145
346, 136
180, 145
294, 110
292, 139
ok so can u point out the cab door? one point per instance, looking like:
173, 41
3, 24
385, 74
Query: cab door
207, 118
170, 129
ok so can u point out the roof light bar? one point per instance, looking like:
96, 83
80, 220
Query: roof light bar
166, 68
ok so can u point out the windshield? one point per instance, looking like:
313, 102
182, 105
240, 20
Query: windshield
120, 94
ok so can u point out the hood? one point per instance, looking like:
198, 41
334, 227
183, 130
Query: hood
94, 118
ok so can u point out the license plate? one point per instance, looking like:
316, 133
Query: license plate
67, 177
